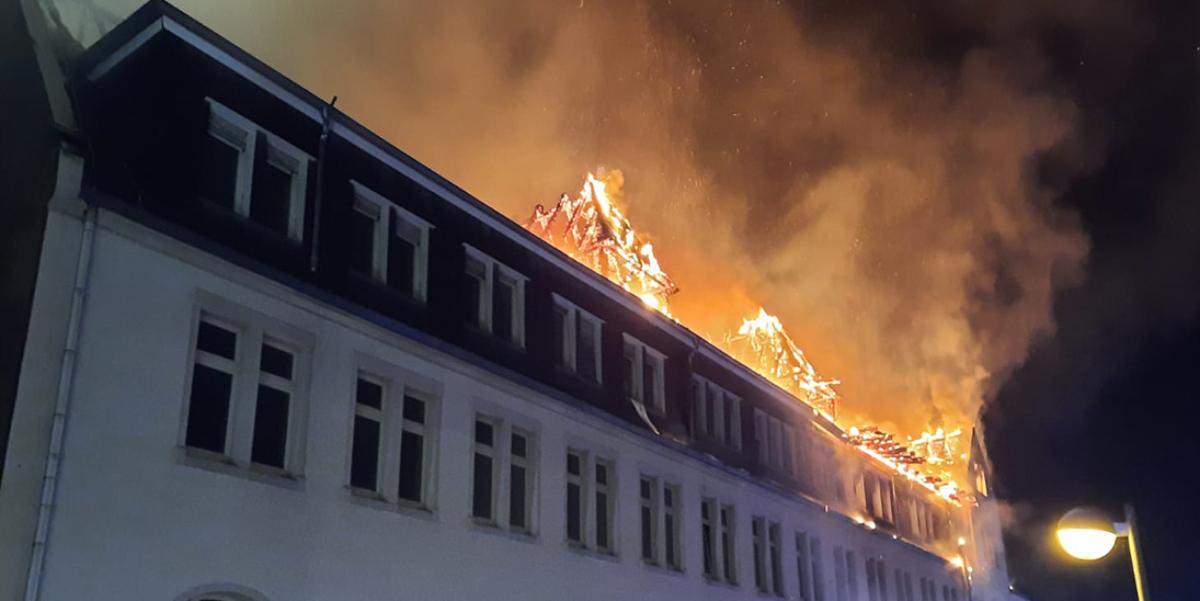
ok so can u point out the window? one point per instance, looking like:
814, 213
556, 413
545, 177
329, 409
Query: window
253, 172
804, 574
872, 582
773, 442
576, 340
839, 573
643, 379
246, 397
388, 244
392, 444
496, 297
503, 473
852, 575
716, 414
483, 499
759, 536
908, 589
649, 513
728, 558
671, 551
878, 493
881, 579
818, 576
659, 518
775, 546
899, 586
604, 506
592, 529
708, 537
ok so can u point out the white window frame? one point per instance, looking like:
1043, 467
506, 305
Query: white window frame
242, 134
658, 404
384, 211
503, 429
758, 534
253, 329
569, 351
588, 487
397, 383
493, 270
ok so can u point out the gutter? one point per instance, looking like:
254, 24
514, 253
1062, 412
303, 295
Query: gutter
62, 404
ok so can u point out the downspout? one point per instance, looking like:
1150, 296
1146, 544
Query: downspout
326, 118
66, 380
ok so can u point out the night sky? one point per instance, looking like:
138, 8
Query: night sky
1104, 412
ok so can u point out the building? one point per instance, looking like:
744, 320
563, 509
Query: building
264, 354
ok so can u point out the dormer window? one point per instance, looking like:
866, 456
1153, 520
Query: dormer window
644, 376
389, 244
253, 173
495, 297
576, 340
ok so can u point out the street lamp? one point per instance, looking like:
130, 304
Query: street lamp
1089, 534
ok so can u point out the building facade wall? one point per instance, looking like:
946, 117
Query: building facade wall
135, 519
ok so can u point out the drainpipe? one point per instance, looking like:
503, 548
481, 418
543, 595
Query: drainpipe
326, 118
66, 380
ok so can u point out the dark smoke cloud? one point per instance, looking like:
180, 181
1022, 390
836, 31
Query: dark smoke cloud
869, 172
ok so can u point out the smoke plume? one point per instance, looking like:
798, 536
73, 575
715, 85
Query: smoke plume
882, 197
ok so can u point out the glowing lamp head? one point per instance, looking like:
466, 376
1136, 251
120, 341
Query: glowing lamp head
1086, 533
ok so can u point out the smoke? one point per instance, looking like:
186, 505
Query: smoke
880, 195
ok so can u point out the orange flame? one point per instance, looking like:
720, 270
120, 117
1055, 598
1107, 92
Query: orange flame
593, 230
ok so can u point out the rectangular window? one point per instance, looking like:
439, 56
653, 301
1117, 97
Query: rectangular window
839, 573
648, 501
670, 505
644, 376
728, 557
503, 475
775, 436
818, 576
576, 340
758, 534
575, 496
881, 579
495, 297
908, 588
389, 244
899, 585
715, 414
521, 473
803, 567
761, 437
259, 425
852, 575
604, 506
708, 538
483, 499
386, 410
254, 173
775, 553
872, 583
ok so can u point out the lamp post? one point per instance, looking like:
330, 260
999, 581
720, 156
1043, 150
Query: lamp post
1089, 534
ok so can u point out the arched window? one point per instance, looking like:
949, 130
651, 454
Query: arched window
222, 591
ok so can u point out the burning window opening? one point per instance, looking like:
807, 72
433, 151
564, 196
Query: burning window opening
594, 231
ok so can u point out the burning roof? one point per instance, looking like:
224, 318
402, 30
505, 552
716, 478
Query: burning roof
593, 230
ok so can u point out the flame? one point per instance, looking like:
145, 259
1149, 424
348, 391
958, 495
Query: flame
763, 344
593, 230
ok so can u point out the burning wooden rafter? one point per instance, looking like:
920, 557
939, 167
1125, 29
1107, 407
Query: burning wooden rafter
762, 343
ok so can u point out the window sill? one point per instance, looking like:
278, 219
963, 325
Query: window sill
374, 500
492, 529
580, 549
384, 289
257, 229
223, 464
662, 569
720, 583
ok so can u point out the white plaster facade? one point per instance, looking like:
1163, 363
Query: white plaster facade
135, 519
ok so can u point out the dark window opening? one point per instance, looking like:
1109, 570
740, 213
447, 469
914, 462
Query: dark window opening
270, 203
411, 465
362, 242
503, 295
516, 513
218, 171
270, 427
216, 340
369, 394
208, 409
276, 361
364, 457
